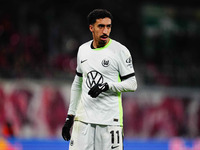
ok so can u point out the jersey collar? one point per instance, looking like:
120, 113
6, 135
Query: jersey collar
97, 49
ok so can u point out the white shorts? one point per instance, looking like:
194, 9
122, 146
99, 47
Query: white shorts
87, 136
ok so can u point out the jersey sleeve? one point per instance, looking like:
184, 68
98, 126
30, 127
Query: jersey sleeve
78, 68
125, 64
126, 71
76, 90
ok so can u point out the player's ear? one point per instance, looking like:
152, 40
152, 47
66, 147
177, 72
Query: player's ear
91, 27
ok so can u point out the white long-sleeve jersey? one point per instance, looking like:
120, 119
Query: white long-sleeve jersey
112, 64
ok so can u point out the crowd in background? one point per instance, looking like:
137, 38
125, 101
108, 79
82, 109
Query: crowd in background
38, 110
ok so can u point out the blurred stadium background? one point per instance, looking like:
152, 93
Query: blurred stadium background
38, 46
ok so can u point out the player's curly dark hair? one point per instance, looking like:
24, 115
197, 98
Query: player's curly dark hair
98, 14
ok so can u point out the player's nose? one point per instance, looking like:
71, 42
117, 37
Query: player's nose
105, 30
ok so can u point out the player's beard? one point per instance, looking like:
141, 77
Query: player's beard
102, 43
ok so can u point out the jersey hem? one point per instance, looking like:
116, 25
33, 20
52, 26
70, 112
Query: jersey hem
106, 124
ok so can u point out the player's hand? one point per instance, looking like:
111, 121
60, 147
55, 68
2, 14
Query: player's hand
97, 89
66, 128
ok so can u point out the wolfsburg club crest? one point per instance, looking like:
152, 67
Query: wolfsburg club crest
105, 62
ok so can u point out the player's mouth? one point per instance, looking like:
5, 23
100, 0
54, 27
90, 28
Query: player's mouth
104, 37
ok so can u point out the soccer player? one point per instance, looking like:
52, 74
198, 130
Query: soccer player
104, 70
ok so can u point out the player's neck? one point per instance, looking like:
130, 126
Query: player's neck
96, 44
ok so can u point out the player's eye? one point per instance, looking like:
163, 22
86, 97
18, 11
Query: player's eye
101, 26
109, 26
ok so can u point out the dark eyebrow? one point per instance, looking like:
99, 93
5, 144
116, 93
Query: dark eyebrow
103, 25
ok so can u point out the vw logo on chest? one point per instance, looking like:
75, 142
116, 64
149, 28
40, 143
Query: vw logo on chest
94, 77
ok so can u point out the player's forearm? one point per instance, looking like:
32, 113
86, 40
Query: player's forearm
128, 85
75, 95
